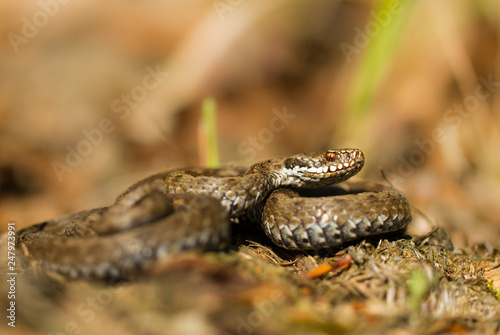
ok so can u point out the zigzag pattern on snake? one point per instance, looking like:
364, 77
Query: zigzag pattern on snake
193, 208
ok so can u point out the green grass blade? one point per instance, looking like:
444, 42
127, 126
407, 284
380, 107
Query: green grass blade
377, 57
209, 147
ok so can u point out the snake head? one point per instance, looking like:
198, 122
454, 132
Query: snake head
320, 169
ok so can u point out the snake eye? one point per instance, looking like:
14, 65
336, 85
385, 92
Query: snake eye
330, 156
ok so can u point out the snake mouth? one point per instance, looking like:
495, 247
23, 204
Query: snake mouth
324, 168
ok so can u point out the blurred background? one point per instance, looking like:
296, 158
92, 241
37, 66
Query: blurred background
97, 95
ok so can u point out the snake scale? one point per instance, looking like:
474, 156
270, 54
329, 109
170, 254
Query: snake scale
193, 208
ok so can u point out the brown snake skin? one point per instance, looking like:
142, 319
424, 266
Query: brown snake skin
192, 209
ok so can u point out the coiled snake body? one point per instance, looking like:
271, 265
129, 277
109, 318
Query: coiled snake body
192, 208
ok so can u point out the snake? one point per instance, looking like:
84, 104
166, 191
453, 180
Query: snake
194, 208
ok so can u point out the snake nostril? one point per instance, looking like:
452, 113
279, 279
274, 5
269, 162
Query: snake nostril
290, 163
